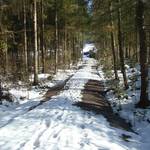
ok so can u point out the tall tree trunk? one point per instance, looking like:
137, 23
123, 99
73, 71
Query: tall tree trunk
56, 36
113, 45
74, 51
35, 44
144, 102
149, 48
65, 44
25, 37
42, 37
1, 90
121, 52
136, 44
114, 55
6, 57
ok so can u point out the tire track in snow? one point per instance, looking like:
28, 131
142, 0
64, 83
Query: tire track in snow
65, 125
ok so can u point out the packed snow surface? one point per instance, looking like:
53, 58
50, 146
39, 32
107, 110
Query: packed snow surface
59, 125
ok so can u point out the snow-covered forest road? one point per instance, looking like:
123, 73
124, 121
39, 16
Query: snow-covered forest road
59, 125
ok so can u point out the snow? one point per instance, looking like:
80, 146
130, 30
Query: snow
22, 94
41, 76
125, 106
89, 47
59, 125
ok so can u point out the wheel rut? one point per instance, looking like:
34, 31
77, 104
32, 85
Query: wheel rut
93, 99
52, 91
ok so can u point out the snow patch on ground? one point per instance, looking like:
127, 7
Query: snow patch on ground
124, 105
22, 94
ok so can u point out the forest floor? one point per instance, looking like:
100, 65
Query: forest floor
55, 122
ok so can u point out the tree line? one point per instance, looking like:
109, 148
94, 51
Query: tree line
121, 29
40, 36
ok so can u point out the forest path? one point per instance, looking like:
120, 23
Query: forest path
57, 124
94, 100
